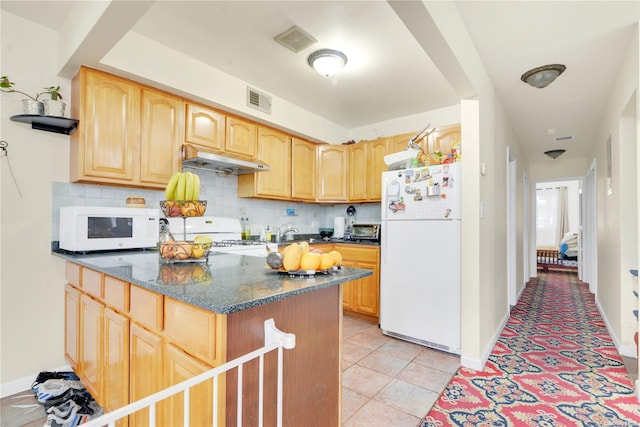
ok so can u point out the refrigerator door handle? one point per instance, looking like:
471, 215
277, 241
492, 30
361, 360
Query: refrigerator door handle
384, 247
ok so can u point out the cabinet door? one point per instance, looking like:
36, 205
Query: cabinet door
91, 339
398, 143
358, 172
368, 290
241, 137
204, 126
274, 148
444, 139
110, 136
116, 361
349, 289
303, 169
332, 172
179, 367
377, 149
161, 139
145, 358
71, 325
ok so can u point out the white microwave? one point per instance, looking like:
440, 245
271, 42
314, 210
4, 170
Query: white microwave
94, 228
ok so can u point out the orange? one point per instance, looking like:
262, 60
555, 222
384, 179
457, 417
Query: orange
310, 261
326, 261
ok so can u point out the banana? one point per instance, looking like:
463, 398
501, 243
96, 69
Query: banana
188, 192
181, 187
196, 187
170, 190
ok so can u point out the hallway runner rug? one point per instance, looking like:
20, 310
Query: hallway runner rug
554, 364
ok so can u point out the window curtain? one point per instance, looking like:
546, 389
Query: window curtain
562, 223
552, 216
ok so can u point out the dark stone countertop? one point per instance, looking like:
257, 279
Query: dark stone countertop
225, 284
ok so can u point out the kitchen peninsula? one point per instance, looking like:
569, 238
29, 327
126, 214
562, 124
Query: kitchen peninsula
135, 326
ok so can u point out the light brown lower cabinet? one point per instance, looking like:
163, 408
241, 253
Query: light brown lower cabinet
146, 375
360, 297
117, 343
116, 362
181, 366
91, 338
128, 342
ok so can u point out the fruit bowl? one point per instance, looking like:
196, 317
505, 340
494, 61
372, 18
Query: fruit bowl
184, 274
171, 208
184, 251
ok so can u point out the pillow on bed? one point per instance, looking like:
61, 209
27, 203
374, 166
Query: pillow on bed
563, 248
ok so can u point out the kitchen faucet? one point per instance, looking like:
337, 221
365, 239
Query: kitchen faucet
284, 229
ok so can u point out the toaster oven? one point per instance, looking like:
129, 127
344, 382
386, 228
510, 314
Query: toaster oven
365, 232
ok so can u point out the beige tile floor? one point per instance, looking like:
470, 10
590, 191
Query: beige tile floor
388, 382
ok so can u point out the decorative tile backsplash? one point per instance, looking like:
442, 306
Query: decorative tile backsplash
220, 192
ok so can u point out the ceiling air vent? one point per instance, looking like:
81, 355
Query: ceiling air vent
563, 138
295, 39
258, 100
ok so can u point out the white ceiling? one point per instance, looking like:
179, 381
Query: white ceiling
388, 73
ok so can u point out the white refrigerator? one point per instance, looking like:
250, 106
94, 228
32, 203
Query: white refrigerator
420, 260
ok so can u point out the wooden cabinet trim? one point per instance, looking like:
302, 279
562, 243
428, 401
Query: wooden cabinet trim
146, 308
91, 282
72, 273
116, 294
198, 331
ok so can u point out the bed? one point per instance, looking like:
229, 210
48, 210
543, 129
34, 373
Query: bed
564, 257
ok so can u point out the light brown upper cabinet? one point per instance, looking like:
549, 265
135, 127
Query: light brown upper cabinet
333, 176
377, 149
204, 126
443, 139
274, 148
303, 170
241, 137
358, 179
162, 131
128, 134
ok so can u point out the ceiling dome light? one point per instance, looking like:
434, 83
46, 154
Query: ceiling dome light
543, 76
327, 62
554, 154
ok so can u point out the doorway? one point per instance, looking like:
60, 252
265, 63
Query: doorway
559, 219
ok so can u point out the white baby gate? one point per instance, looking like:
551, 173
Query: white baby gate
273, 339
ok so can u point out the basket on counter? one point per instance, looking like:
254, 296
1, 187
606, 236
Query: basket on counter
184, 274
184, 208
182, 252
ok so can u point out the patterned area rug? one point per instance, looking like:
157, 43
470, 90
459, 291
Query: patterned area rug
554, 365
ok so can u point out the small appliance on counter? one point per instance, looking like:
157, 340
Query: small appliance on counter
96, 228
365, 232
351, 219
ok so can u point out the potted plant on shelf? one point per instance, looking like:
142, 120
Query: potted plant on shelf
33, 105
53, 106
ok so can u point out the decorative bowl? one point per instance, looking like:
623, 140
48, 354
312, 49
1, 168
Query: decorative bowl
171, 208
184, 251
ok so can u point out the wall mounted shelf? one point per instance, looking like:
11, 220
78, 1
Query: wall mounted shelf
48, 123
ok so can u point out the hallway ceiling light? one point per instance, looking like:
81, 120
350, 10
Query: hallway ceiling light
543, 76
327, 62
554, 154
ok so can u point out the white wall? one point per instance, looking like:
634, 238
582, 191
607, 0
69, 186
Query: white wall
614, 225
31, 280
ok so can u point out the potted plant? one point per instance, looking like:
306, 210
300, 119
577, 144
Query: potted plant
53, 106
33, 105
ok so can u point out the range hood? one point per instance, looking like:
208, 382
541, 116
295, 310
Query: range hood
201, 158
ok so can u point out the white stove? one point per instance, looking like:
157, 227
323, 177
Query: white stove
226, 234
